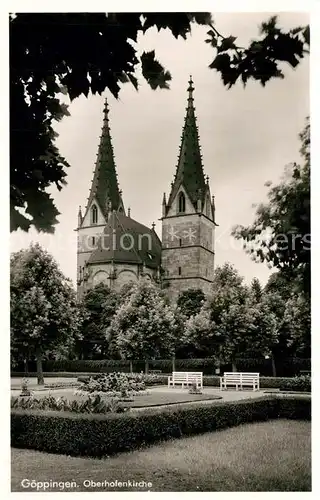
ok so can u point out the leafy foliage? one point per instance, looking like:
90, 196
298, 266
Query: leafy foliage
97, 307
116, 383
77, 53
43, 303
280, 234
297, 319
144, 327
91, 404
190, 301
263, 59
302, 383
235, 321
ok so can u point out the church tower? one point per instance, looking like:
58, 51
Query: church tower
188, 217
104, 199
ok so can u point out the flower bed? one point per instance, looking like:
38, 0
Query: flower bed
91, 404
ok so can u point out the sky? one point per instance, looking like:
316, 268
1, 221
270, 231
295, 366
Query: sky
247, 137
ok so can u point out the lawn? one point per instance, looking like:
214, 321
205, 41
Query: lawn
164, 398
265, 456
141, 400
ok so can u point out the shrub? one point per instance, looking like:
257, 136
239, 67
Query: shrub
101, 435
302, 383
92, 404
116, 383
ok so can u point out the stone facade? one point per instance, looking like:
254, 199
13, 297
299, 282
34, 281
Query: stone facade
187, 253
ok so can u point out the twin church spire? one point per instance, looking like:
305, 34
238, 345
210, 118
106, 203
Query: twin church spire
189, 172
105, 188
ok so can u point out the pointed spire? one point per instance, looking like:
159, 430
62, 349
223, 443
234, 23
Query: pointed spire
153, 226
189, 171
79, 216
105, 183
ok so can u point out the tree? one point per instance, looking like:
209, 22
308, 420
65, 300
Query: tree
97, 306
79, 53
279, 284
229, 315
200, 335
145, 326
190, 301
263, 330
256, 290
297, 318
43, 305
280, 233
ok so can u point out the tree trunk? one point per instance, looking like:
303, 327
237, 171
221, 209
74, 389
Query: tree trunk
273, 364
146, 367
173, 363
130, 362
234, 366
25, 363
39, 366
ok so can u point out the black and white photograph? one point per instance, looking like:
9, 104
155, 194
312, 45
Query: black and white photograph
160, 250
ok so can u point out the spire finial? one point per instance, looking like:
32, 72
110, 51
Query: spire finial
190, 88
207, 179
129, 212
153, 226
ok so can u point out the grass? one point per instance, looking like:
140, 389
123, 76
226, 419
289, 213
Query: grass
140, 401
265, 456
143, 400
163, 398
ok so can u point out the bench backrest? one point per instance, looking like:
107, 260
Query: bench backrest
187, 375
241, 376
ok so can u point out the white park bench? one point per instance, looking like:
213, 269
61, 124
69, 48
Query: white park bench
240, 379
185, 378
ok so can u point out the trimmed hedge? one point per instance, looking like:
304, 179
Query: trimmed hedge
282, 383
286, 367
98, 436
300, 384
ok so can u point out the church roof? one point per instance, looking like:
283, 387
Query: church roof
104, 187
189, 171
125, 240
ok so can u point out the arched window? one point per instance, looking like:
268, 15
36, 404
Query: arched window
181, 203
94, 214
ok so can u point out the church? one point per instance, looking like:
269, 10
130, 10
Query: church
115, 249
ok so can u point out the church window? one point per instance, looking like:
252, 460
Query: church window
180, 242
93, 240
182, 203
179, 271
94, 214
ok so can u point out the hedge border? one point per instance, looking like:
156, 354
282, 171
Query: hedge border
208, 380
104, 435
